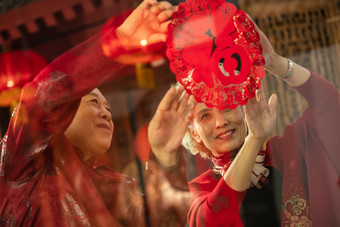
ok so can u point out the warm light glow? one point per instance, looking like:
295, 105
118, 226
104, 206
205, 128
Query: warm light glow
10, 83
143, 42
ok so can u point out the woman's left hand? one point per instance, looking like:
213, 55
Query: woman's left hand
268, 52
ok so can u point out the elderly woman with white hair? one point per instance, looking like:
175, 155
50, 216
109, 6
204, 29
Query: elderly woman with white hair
307, 155
48, 175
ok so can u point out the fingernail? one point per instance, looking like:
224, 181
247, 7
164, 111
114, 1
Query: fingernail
175, 85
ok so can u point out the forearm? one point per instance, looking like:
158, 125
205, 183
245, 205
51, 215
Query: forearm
167, 160
175, 173
279, 67
238, 174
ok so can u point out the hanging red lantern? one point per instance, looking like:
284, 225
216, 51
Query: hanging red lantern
19, 67
16, 69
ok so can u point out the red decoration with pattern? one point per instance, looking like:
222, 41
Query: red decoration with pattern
215, 52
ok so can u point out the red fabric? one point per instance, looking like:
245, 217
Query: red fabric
214, 203
215, 52
308, 158
43, 182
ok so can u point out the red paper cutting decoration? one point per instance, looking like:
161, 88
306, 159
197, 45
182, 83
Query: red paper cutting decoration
215, 52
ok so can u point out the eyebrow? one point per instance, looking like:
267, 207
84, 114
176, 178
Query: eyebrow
97, 96
203, 111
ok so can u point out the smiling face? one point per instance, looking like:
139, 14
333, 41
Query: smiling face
91, 129
220, 131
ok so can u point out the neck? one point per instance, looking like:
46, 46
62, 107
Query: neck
223, 159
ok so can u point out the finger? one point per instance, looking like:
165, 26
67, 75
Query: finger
272, 104
156, 38
150, 8
167, 100
257, 95
183, 103
176, 101
164, 26
165, 4
165, 15
247, 108
158, 7
155, 9
148, 3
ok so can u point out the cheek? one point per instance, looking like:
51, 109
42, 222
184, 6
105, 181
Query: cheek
82, 123
203, 130
113, 127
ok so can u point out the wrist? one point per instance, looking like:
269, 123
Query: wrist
279, 66
166, 159
255, 141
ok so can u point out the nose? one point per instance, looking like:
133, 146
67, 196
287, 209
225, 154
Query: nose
104, 113
220, 120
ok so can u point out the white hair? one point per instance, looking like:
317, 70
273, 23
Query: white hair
189, 142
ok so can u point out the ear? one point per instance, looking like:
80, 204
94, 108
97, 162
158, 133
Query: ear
195, 135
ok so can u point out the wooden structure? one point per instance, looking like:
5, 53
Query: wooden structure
306, 31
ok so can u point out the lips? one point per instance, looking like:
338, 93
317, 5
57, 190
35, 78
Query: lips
226, 134
104, 126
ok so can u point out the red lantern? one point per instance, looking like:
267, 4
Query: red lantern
16, 69
19, 67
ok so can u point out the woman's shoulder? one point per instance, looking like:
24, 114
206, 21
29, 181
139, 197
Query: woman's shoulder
205, 181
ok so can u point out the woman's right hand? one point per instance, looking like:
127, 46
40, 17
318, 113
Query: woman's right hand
149, 22
168, 126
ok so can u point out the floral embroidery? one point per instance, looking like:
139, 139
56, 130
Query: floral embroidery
295, 221
292, 209
296, 204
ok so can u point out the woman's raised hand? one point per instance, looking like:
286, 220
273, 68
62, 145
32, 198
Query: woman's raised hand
260, 115
169, 124
147, 22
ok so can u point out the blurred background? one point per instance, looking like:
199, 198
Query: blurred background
34, 32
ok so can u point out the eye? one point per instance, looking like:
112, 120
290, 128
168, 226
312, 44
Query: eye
108, 108
94, 100
203, 116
